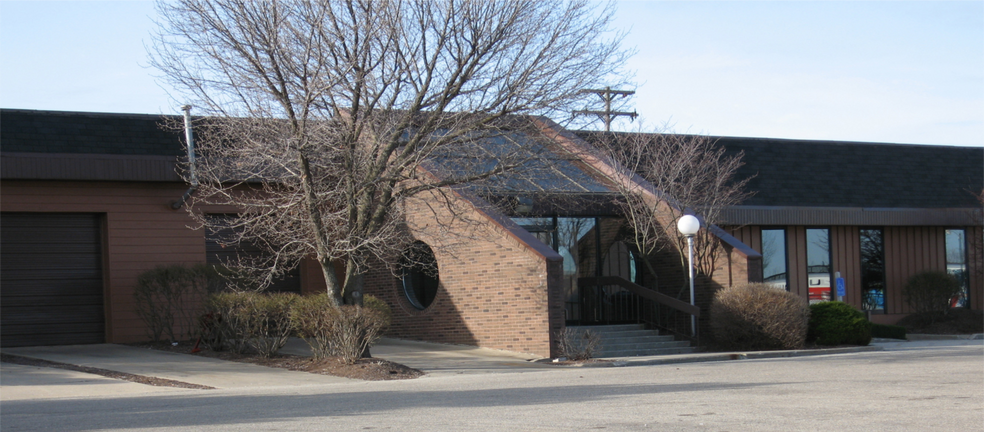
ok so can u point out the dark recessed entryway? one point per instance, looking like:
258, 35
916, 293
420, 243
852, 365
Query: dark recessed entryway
51, 282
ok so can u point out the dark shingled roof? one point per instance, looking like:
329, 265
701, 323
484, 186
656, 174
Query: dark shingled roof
809, 173
854, 174
30, 131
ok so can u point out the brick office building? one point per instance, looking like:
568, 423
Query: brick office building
87, 208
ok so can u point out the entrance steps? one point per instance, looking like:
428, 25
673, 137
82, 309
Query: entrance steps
631, 340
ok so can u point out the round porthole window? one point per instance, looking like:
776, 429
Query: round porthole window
419, 275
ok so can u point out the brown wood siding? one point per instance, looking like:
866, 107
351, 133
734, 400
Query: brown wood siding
749, 235
796, 266
975, 263
752, 237
845, 248
141, 232
910, 250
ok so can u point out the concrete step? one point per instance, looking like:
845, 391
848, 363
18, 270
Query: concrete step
630, 340
649, 338
622, 345
646, 352
622, 333
611, 328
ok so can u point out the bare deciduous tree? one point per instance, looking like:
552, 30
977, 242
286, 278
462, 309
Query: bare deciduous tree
322, 117
687, 174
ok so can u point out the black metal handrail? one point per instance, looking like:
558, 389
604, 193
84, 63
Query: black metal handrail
652, 308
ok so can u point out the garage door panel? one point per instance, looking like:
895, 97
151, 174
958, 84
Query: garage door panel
43, 330
50, 287
57, 267
79, 276
11, 302
52, 282
58, 314
28, 248
83, 337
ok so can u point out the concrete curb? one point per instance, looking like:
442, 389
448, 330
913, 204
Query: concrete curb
713, 357
924, 337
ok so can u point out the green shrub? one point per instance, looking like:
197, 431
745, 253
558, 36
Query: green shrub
930, 292
838, 323
887, 331
169, 298
758, 317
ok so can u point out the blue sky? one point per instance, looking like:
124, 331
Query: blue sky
884, 71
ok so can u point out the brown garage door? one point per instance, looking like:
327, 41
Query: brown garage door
51, 284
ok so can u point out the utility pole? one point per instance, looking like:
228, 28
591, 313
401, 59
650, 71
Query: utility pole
607, 95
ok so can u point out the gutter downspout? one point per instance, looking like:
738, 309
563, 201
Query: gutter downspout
191, 159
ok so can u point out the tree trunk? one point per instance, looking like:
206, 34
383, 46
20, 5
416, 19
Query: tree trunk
331, 280
354, 281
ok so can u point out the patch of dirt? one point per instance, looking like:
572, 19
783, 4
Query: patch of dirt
368, 369
956, 321
140, 379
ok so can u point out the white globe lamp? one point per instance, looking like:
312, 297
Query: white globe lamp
688, 225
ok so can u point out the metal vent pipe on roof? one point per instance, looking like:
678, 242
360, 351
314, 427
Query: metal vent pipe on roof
192, 174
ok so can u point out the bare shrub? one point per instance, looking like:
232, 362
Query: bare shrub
230, 319
930, 292
313, 318
374, 303
169, 298
244, 321
759, 317
356, 329
270, 324
578, 345
345, 331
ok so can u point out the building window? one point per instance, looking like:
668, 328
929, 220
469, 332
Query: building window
956, 263
419, 275
774, 258
225, 247
818, 264
872, 270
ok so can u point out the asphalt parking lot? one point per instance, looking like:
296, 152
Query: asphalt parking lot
929, 385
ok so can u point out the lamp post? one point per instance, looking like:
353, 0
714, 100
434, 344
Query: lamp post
688, 225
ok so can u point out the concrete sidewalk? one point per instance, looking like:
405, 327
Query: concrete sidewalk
440, 359
20, 382
173, 366
26, 382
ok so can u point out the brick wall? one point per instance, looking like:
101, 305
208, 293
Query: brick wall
497, 289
